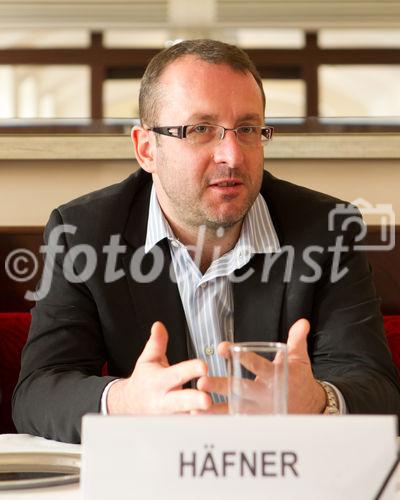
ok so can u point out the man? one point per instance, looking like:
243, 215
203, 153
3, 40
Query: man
221, 234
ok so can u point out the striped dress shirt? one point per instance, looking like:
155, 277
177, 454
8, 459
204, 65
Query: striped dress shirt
207, 298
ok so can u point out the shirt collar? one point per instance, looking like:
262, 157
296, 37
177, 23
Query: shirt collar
157, 225
258, 233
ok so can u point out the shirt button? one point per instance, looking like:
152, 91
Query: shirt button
203, 285
174, 243
209, 350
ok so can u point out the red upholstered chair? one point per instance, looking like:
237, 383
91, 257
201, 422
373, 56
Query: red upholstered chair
392, 328
14, 329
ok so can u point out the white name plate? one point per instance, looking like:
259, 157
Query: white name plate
225, 457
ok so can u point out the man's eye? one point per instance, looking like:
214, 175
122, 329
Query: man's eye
247, 130
201, 129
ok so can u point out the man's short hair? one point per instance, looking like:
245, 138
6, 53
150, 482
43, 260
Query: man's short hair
211, 51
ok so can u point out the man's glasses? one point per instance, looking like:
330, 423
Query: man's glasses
204, 133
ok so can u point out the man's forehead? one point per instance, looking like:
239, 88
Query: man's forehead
188, 66
190, 76
190, 71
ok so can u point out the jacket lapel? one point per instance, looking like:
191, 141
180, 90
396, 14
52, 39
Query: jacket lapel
258, 300
155, 299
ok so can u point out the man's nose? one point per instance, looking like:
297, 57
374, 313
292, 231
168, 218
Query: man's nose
228, 150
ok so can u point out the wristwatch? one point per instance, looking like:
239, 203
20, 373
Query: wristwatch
332, 403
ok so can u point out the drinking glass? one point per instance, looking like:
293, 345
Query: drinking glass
258, 378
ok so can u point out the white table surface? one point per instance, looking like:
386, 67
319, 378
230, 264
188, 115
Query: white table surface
11, 443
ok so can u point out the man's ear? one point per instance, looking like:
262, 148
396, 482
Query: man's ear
144, 145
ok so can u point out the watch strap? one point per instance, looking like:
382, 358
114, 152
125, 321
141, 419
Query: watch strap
332, 402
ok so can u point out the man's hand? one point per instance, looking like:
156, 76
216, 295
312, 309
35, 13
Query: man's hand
155, 387
305, 394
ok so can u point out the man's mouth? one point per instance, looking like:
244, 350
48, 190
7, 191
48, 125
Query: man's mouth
226, 183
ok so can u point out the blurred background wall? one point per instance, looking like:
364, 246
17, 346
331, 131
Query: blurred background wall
328, 67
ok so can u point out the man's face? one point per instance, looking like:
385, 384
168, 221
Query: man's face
189, 179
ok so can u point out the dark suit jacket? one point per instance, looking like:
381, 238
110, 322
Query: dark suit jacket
78, 327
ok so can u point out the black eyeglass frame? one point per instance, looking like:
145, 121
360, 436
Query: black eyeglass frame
180, 131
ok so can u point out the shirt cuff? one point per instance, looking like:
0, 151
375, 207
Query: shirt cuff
103, 402
341, 401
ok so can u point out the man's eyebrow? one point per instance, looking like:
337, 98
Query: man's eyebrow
198, 117
195, 118
251, 116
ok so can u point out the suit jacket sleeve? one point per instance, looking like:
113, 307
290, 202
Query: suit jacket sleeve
348, 345
60, 378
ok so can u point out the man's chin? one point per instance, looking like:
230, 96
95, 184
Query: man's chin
226, 215
225, 221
